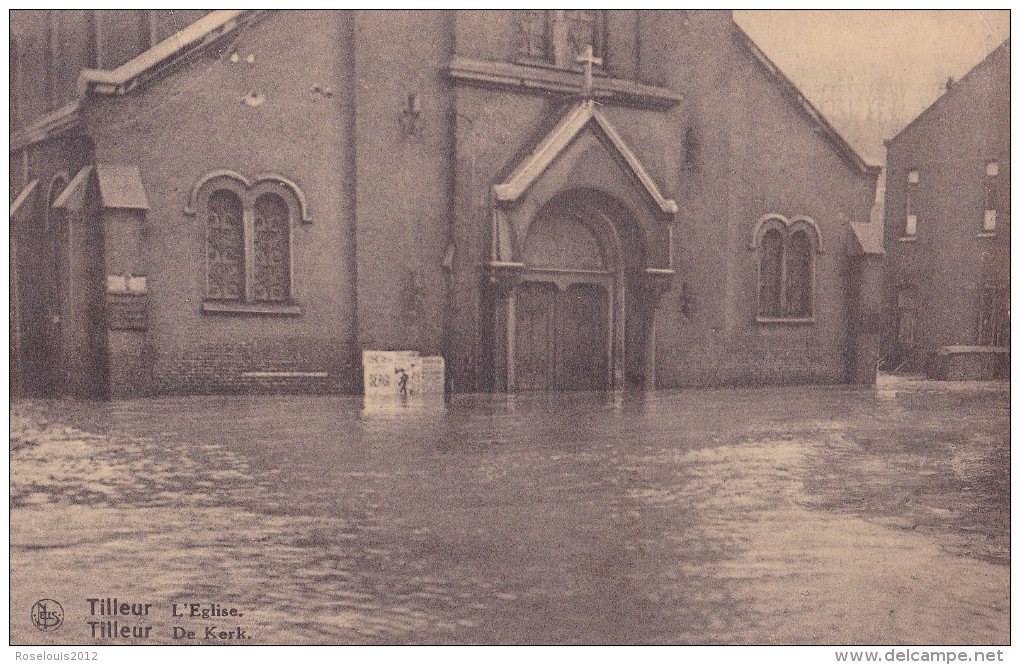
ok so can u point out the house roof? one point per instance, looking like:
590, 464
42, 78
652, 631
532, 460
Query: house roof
787, 86
556, 141
953, 90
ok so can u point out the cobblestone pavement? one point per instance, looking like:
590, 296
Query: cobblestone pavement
790, 515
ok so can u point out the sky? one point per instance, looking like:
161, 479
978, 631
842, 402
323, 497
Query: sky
870, 72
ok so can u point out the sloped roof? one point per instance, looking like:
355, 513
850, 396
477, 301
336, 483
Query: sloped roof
120, 186
147, 64
20, 199
73, 196
557, 140
869, 237
144, 67
787, 86
955, 89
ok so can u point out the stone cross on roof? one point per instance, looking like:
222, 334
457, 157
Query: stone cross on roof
587, 58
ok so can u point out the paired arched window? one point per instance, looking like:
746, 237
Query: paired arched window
248, 230
786, 262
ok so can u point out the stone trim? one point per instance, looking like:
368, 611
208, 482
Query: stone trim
533, 79
150, 64
23, 196
61, 121
789, 226
557, 141
190, 209
240, 309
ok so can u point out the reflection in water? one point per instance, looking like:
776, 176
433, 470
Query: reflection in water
537, 517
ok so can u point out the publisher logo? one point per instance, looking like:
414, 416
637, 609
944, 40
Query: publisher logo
47, 615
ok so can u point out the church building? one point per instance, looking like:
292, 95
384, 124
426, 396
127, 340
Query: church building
244, 201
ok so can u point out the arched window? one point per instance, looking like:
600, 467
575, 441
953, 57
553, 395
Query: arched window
786, 256
225, 246
271, 278
248, 229
770, 295
798, 275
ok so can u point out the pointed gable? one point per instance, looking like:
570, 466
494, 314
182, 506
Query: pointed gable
581, 116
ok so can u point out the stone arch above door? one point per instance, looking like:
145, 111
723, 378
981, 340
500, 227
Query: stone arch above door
581, 249
563, 241
583, 154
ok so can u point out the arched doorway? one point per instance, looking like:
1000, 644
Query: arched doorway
572, 309
581, 251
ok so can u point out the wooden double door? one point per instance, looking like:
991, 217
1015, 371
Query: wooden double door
563, 336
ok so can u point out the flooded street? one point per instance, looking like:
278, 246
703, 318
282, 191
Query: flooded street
780, 515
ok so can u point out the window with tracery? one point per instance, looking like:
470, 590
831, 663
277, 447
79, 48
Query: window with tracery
535, 33
247, 239
585, 27
770, 268
798, 276
225, 246
271, 251
558, 36
786, 256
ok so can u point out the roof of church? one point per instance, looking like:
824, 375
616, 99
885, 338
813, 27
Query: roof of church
147, 64
827, 130
556, 141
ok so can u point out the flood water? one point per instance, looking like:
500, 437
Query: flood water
837, 514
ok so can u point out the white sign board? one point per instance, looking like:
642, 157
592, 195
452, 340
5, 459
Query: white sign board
390, 373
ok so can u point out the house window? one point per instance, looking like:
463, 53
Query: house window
910, 226
248, 229
993, 316
991, 197
786, 256
559, 36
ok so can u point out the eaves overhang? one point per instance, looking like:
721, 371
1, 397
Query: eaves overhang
154, 61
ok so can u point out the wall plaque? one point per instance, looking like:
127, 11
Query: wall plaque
126, 310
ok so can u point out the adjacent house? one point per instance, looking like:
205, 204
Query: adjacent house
947, 231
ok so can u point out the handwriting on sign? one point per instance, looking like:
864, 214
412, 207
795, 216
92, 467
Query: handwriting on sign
402, 374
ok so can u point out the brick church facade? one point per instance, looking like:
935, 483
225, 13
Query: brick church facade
243, 201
